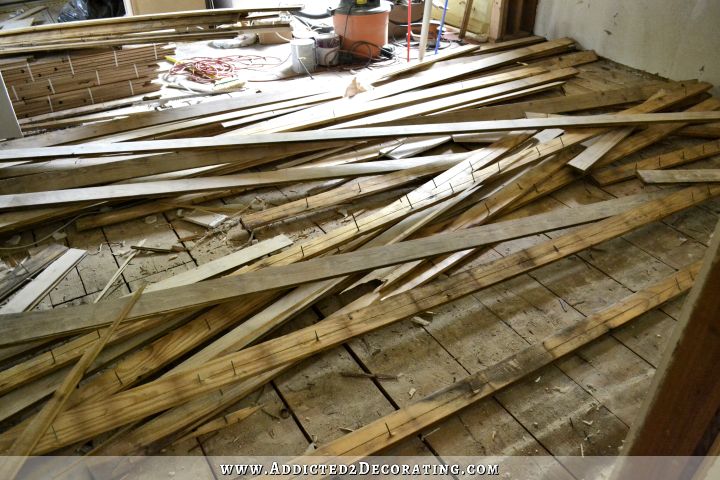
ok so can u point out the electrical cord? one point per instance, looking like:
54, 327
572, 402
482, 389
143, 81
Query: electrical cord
208, 69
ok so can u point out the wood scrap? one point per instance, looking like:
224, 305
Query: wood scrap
679, 176
82, 422
610, 175
41, 285
413, 202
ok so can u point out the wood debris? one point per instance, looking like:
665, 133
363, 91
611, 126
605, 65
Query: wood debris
419, 178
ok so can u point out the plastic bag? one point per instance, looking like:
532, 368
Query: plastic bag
75, 10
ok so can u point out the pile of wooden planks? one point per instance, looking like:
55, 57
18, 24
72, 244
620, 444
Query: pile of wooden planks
52, 83
427, 171
140, 29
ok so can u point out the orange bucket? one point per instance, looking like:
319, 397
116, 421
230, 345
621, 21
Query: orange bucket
363, 30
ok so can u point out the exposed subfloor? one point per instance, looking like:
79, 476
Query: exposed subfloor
583, 403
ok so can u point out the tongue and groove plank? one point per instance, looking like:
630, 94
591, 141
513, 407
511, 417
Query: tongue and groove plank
318, 269
558, 104
344, 193
31, 435
91, 419
128, 191
148, 119
583, 121
652, 134
679, 176
483, 94
410, 420
587, 159
610, 175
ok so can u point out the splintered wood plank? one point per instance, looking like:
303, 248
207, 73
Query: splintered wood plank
604, 144
223, 264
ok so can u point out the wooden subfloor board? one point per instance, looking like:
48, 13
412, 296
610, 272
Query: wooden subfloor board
374, 438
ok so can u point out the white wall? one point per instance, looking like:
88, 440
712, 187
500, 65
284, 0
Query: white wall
677, 39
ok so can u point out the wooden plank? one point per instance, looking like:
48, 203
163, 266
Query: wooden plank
444, 103
558, 104
15, 327
206, 184
423, 413
652, 134
36, 290
60, 174
610, 175
87, 420
679, 176
264, 7
711, 130
222, 264
28, 439
344, 193
584, 121
152, 118
25, 270
587, 159
685, 383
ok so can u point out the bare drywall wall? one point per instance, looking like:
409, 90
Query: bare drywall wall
677, 39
